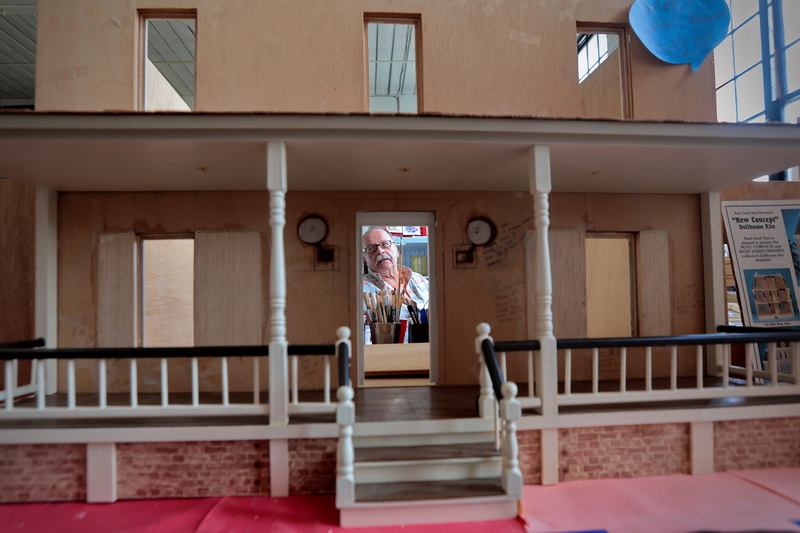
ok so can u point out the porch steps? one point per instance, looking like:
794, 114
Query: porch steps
427, 478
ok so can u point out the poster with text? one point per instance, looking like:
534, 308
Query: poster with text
763, 238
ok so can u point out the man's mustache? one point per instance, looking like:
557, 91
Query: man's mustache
381, 257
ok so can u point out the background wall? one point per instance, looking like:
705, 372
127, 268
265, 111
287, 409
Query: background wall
516, 57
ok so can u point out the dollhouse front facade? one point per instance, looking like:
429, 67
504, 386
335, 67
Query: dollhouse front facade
282, 123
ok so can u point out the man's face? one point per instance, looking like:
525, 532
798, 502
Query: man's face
382, 260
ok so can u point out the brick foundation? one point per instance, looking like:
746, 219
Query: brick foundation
192, 469
312, 466
42, 472
760, 443
530, 456
623, 451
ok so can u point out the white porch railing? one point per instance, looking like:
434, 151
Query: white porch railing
733, 381
30, 401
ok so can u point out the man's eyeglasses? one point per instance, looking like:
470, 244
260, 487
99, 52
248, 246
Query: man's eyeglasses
382, 245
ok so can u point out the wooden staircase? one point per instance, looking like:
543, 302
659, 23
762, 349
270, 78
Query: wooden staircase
426, 472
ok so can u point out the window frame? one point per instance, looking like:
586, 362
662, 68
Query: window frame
622, 31
395, 18
144, 16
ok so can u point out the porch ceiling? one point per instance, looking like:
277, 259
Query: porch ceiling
162, 152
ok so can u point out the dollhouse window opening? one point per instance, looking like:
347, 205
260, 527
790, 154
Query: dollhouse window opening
603, 57
593, 49
167, 52
167, 290
393, 45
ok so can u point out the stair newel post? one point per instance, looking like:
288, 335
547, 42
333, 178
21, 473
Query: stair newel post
345, 455
511, 411
486, 402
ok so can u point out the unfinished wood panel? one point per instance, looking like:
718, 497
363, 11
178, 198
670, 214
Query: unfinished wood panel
388, 359
608, 286
602, 91
228, 304
167, 292
653, 283
518, 57
159, 94
568, 263
760, 190
117, 297
17, 242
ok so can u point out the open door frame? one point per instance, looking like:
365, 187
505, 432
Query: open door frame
396, 218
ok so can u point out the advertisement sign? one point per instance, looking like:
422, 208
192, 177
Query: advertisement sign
763, 238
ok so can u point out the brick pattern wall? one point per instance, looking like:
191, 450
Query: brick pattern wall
623, 451
42, 472
530, 456
312, 466
760, 443
192, 469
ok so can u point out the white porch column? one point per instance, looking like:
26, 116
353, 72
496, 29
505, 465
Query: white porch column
546, 367
278, 346
46, 283
713, 275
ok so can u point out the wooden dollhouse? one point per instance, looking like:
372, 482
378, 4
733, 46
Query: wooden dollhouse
280, 125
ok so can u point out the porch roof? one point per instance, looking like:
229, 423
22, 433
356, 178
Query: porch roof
227, 151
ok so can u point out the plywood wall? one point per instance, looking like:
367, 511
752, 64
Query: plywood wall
321, 296
17, 243
512, 57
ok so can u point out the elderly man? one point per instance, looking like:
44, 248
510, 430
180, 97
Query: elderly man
383, 275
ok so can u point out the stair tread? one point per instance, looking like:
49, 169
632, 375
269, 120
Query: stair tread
437, 451
428, 490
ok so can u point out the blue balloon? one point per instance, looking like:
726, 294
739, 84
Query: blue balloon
680, 31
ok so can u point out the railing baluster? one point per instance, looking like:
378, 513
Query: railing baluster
41, 383
748, 363
225, 389
327, 385
256, 380
673, 368
648, 368
9, 369
71, 384
14, 375
503, 365
595, 370
699, 365
623, 370
293, 379
796, 362
164, 382
531, 388
726, 366
195, 383
102, 384
134, 384
568, 371
772, 362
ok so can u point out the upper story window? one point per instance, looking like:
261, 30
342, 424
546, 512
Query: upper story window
393, 45
603, 71
167, 76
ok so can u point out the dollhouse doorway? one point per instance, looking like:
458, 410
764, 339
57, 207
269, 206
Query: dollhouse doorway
396, 339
